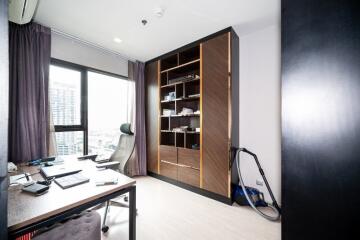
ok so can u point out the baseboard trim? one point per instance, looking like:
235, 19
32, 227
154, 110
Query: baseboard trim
200, 191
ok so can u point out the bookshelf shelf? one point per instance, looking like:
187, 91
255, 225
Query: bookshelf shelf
180, 76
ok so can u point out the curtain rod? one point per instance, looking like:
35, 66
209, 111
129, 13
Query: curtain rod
94, 45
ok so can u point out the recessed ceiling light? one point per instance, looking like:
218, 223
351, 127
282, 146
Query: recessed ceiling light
117, 40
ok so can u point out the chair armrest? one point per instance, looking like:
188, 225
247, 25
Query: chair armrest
108, 165
102, 160
86, 157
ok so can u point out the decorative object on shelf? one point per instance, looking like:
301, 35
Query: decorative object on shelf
186, 111
188, 77
168, 112
194, 95
171, 96
195, 146
182, 129
197, 112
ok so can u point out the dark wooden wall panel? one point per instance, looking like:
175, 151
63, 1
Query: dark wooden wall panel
320, 119
152, 115
4, 113
215, 112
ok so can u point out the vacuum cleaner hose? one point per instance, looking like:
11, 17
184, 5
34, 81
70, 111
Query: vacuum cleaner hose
276, 216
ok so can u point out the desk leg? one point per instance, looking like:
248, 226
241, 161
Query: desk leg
132, 213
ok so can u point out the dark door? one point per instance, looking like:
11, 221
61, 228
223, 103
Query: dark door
4, 108
320, 119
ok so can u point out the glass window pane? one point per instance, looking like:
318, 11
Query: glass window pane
70, 143
65, 95
109, 102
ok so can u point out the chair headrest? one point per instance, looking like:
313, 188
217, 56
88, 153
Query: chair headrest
126, 128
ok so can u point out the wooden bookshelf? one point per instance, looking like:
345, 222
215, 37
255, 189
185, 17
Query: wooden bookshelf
180, 89
181, 66
192, 114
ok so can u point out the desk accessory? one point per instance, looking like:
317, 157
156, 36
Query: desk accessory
36, 189
110, 182
107, 177
37, 162
22, 179
11, 167
58, 171
71, 180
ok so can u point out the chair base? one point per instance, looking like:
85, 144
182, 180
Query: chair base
104, 227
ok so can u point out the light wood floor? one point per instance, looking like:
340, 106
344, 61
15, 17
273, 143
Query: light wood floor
167, 212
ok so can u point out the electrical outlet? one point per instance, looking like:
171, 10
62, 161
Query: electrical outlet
259, 182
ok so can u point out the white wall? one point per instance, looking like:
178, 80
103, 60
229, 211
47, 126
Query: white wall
260, 95
71, 50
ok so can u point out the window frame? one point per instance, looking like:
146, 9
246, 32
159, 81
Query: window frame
83, 127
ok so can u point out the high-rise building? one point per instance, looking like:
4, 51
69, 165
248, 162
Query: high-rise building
64, 112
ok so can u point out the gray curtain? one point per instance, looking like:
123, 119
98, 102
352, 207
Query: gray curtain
136, 72
29, 61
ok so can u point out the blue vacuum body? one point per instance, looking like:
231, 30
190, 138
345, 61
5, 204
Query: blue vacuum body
256, 196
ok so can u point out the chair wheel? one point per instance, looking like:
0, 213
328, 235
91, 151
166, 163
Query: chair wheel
104, 229
126, 198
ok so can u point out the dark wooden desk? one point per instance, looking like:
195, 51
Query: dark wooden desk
27, 213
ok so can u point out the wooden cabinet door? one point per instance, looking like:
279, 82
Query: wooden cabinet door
169, 170
168, 154
189, 176
215, 115
152, 102
189, 157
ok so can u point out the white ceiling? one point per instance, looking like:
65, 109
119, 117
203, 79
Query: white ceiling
184, 21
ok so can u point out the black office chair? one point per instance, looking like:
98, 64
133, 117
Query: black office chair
119, 161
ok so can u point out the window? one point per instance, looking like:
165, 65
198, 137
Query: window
69, 143
65, 103
65, 95
87, 108
108, 101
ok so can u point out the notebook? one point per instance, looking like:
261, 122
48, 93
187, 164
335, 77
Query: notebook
71, 180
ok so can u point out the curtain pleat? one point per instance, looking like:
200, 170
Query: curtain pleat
138, 162
29, 55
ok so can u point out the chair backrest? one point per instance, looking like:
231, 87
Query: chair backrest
124, 149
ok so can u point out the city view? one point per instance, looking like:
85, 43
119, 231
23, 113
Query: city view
107, 96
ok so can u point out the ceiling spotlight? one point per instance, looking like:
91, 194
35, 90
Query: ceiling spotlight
144, 22
117, 40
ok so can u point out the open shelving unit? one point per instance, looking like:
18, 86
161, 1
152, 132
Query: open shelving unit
192, 114
180, 77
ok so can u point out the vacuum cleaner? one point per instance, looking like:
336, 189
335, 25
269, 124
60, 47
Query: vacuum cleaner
248, 196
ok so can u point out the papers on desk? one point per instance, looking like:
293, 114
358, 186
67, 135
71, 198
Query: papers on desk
106, 177
20, 179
